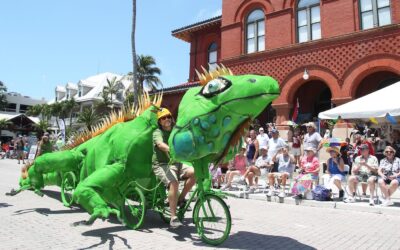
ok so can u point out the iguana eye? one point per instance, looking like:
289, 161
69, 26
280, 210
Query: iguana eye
214, 86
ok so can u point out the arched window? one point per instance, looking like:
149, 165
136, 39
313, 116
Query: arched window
374, 13
308, 20
255, 31
212, 55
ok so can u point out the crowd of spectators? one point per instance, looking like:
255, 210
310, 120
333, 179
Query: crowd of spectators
369, 161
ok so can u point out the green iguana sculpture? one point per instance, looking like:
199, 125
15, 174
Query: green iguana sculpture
211, 120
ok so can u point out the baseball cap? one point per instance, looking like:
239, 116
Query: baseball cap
275, 131
364, 146
264, 147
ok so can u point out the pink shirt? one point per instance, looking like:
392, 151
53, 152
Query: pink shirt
309, 164
240, 163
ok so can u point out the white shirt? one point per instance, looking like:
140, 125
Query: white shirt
274, 145
262, 140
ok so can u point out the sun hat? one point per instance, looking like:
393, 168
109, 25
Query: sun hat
243, 146
163, 112
311, 124
264, 147
336, 149
310, 149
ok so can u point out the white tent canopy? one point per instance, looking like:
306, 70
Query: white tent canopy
377, 104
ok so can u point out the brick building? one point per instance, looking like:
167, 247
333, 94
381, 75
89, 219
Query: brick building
322, 52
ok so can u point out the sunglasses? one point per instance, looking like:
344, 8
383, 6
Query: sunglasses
389, 152
166, 117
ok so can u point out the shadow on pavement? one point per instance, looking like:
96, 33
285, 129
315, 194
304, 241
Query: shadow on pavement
106, 234
249, 240
47, 211
4, 205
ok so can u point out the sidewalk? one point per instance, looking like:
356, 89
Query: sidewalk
361, 205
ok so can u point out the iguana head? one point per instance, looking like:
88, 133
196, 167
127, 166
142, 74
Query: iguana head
212, 118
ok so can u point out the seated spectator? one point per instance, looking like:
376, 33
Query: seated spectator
237, 167
216, 175
389, 172
255, 170
286, 165
364, 170
335, 169
309, 170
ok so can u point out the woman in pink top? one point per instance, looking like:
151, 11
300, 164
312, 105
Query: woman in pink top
309, 166
237, 167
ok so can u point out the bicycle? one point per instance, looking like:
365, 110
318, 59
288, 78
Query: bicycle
211, 215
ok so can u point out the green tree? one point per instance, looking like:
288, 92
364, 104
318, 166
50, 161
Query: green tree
42, 126
3, 96
4, 124
103, 106
134, 60
89, 117
111, 88
147, 73
56, 110
34, 110
69, 106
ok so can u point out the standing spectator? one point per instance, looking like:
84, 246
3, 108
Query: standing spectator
364, 170
262, 138
11, 146
237, 167
296, 146
274, 145
396, 142
60, 143
360, 140
335, 169
285, 170
389, 172
309, 166
26, 150
19, 147
252, 147
312, 139
380, 145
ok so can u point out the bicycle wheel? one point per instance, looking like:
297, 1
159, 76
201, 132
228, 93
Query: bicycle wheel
68, 186
134, 208
212, 219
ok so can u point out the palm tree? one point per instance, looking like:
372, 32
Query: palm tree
146, 73
134, 61
89, 117
4, 124
69, 108
3, 97
104, 105
111, 88
56, 110
42, 126
34, 110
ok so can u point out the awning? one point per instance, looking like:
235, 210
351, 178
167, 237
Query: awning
375, 105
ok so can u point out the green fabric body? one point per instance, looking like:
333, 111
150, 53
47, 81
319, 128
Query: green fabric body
109, 163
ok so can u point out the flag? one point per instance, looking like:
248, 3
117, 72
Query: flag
391, 119
296, 111
373, 120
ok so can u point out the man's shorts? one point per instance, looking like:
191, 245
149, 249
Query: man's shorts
365, 177
168, 173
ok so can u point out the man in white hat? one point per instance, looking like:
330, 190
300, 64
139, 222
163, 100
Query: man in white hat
262, 138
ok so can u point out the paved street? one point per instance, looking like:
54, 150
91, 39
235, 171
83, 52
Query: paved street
32, 222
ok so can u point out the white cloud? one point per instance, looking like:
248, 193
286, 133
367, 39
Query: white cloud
204, 14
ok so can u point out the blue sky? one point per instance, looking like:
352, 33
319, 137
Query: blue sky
47, 43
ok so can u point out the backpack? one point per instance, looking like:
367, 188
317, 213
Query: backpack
320, 193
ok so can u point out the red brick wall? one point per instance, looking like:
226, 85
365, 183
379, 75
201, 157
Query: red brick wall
199, 49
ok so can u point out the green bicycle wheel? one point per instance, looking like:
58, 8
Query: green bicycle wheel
134, 208
68, 186
212, 219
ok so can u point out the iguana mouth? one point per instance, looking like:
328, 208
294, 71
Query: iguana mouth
235, 138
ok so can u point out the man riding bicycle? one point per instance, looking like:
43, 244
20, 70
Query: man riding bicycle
170, 173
